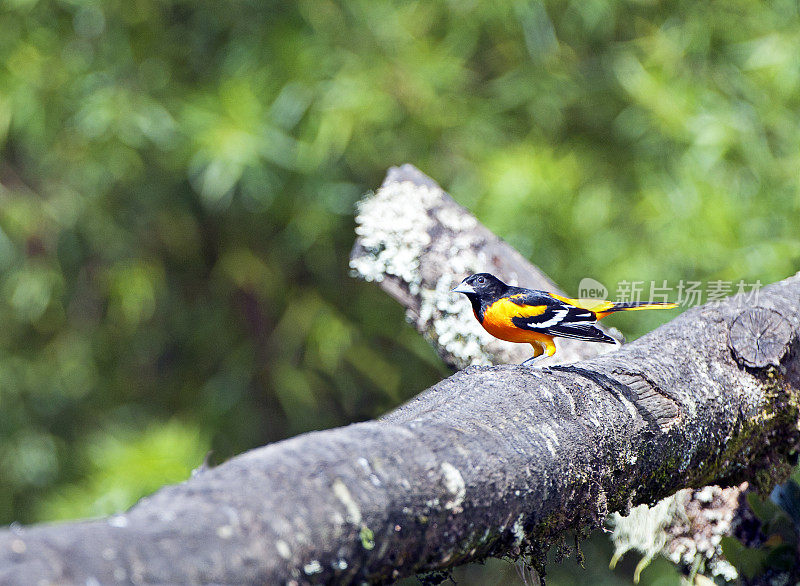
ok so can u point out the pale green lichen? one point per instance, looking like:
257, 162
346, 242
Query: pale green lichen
517, 529
643, 530
666, 529
120, 521
350, 505
392, 226
367, 538
454, 483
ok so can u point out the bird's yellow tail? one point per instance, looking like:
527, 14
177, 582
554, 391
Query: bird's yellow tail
634, 306
602, 308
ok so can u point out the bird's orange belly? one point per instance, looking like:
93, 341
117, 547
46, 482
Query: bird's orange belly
497, 321
509, 332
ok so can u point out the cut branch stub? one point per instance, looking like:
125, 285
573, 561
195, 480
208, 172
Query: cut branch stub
759, 337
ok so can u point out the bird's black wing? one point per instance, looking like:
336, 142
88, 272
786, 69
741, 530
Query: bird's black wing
581, 332
557, 318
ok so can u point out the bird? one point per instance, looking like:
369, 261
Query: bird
535, 317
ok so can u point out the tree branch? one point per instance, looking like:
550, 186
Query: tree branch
494, 460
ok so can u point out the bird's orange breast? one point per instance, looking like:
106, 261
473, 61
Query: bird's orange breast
497, 320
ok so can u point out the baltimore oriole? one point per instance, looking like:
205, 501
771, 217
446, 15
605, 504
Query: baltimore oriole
535, 317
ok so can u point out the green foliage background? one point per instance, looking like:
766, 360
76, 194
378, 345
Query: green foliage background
178, 181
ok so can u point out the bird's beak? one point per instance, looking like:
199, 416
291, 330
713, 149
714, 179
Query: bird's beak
463, 288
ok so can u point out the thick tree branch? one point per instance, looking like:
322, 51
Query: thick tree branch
491, 461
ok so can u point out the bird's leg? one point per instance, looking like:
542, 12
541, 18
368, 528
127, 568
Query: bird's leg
538, 352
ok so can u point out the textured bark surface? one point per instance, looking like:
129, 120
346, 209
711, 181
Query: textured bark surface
495, 460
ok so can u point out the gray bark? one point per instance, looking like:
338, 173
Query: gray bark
494, 460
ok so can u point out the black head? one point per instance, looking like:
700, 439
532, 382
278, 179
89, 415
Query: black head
482, 285
482, 289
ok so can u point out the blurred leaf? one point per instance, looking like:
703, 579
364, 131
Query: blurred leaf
748, 561
787, 496
124, 466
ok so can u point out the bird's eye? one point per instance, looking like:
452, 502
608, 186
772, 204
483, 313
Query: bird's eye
481, 280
